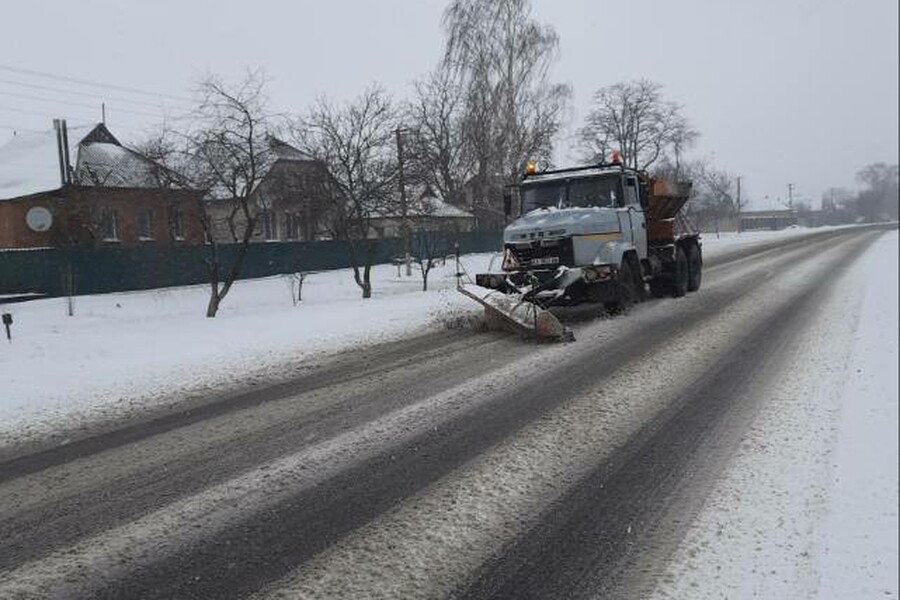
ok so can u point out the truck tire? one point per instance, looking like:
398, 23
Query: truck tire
640, 286
695, 267
659, 287
624, 289
680, 274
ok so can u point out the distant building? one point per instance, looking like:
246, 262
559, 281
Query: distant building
768, 219
425, 212
78, 187
485, 205
292, 202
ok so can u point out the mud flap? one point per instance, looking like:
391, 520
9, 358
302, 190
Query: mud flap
518, 314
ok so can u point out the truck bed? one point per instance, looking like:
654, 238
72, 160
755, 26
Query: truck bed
665, 222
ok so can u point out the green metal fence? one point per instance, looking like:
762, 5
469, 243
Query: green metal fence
57, 272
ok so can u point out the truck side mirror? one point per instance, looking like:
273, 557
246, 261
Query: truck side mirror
507, 201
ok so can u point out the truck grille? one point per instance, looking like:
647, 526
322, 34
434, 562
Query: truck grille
527, 252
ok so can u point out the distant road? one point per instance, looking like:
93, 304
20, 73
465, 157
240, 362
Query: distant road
461, 464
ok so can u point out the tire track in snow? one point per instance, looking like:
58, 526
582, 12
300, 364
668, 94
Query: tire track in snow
610, 534
440, 536
57, 506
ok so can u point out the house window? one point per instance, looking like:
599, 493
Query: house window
176, 224
145, 224
109, 225
268, 225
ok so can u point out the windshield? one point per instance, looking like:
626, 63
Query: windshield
584, 192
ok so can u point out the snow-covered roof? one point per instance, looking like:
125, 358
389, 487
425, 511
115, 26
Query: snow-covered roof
428, 204
111, 165
284, 151
435, 207
29, 162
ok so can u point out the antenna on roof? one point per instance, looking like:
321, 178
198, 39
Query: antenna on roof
103, 112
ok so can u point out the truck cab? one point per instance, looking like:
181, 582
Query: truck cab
576, 218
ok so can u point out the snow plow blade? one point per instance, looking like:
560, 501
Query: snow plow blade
518, 314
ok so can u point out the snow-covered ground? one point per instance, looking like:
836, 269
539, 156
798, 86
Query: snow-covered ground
133, 350
809, 506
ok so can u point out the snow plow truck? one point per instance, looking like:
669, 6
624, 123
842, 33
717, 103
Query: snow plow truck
605, 234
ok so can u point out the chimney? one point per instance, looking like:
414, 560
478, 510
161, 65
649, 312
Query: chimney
65, 142
63, 175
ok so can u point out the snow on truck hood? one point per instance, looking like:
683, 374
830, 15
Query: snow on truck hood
555, 222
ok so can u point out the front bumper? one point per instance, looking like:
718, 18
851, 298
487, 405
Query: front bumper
555, 286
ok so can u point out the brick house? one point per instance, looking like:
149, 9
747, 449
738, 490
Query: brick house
81, 187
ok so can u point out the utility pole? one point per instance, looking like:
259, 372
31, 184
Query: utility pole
791, 196
739, 204
403, 208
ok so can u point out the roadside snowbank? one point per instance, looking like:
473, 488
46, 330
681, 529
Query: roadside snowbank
808, 508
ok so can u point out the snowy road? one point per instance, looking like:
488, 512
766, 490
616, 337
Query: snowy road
456, 464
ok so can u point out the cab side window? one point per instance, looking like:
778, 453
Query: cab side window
631, 191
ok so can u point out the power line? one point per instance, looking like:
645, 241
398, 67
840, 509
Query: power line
79, 104
91, 83
96, 95
25, 111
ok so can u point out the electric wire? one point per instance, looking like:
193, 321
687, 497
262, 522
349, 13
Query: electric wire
79, 104
95, 95
91, 83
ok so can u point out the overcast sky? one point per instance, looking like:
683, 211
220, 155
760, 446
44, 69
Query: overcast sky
792, 91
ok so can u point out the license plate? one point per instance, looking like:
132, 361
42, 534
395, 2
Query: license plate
547, 260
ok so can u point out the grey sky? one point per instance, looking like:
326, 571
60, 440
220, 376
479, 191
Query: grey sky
802, 92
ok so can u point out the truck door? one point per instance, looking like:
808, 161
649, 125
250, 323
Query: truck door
631, 217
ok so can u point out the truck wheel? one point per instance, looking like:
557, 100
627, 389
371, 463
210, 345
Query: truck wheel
695, 268
659, 287
640, 288
680, 276
624, 289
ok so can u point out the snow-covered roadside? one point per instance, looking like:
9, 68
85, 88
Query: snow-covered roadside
808, 507
133, 350
137, 349
859, 542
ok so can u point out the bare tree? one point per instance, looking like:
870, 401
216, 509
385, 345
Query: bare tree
169, 162
433, 232
878, 200
836, 199
355, 142
230, 154
431, 245
713, 194
502, 57
439, 156
634, 119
